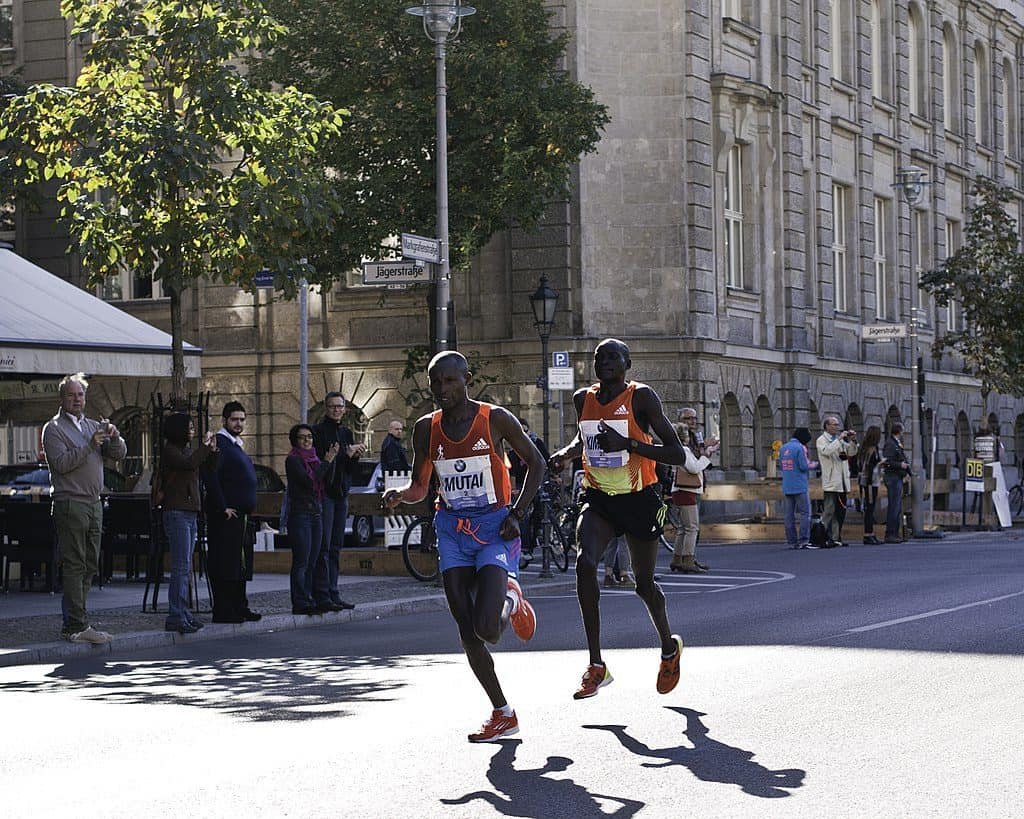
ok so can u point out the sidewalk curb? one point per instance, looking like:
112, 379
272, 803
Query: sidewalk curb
132, 641
41, 653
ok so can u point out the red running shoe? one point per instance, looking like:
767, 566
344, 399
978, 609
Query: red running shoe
596, 676
497, 727
523, 618
668, 671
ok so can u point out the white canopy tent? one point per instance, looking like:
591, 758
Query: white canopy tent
50, 327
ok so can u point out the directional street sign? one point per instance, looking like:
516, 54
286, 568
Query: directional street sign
560, 378
265, 278
421, 247
402, 271
560, 359
883, 332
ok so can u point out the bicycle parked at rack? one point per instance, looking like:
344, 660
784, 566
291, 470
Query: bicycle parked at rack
554, 525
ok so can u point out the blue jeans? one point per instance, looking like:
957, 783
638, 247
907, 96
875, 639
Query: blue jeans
894, 510
793, 505
305, 534
182, 531
325, 576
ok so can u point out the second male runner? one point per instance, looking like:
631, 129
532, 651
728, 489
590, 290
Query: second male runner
621, 497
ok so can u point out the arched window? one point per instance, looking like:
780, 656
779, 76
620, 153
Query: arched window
732, 433
764, 433
854, 418
950, 80
1010, 107
917, 52
982, 104
892, 417
964, 441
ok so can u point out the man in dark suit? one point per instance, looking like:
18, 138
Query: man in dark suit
230, 502
329, 431
896, 467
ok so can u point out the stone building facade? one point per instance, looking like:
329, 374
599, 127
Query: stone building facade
737, 226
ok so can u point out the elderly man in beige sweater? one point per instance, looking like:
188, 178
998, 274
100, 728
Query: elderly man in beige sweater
835, 448
75, 447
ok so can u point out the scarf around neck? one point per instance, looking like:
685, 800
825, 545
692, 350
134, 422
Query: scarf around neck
311, 462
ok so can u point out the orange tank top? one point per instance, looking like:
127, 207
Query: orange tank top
614, 473
471, 474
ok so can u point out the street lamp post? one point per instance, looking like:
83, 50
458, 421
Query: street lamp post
442, 22
543, 302
911, 183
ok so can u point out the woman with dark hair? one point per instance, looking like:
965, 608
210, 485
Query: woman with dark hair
179, 482
869, 459
307, 475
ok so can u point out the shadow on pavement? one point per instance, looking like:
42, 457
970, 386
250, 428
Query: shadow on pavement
711, 760
259, 689
531, 793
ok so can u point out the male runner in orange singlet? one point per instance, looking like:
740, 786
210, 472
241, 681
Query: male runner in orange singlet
621, 497
477, 528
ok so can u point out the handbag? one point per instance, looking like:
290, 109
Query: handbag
685, 479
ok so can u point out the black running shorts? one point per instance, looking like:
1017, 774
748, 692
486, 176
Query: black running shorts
640, 514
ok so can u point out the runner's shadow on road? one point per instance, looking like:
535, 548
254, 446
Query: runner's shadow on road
532, 793
257, 688
711, 760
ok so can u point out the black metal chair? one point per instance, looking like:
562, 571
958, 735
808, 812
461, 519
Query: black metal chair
28, 537
128, 532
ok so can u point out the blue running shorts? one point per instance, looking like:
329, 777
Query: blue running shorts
473, 539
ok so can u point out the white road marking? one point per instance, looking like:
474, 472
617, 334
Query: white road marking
695, 584
933, 613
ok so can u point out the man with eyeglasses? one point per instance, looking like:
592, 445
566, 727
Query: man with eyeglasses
392, 454
331, 431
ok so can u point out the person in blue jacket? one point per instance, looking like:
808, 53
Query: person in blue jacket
795, 470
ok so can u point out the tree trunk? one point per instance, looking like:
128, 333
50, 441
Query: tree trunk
178, 391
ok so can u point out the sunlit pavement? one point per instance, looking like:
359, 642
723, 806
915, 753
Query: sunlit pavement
842, 714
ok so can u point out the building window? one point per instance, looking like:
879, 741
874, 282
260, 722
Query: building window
734, 217
917, 55
881, 258
954, 312
130, 285
835, 19
982, 108
1010, 103
950, 80
732, 9
881, 52
6, 24
925, 301
839, 258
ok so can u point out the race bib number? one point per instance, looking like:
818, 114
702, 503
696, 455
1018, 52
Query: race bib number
466, 483
596, 456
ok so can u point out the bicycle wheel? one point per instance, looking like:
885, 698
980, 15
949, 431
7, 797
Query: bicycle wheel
555, 543
419, 550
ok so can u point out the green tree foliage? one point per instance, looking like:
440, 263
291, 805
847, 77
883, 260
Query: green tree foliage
167, 158
516, 123
985, 277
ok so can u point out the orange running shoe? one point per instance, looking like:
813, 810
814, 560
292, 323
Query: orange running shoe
497, 727
668, 671
596, 676
523, 618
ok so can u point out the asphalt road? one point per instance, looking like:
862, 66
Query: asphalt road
869, 681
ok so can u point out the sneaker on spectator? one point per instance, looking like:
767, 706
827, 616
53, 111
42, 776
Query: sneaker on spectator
523, 618
595, 677
808, 546
668, 671
90, 635
497, 727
